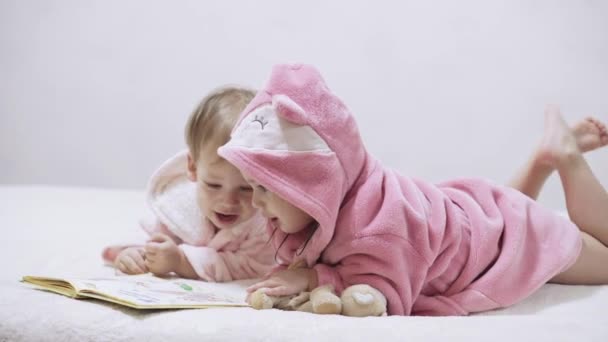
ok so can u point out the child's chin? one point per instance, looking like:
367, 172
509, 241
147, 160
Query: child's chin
224, 225
219, 224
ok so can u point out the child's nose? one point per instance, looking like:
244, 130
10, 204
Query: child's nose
255, 201
232, 197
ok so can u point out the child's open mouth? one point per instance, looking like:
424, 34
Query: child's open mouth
226, 219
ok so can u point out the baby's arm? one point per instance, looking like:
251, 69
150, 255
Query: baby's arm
398, 273
287, 282
252, 259
221, 266
162, 256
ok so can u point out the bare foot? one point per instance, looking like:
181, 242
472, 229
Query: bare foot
590, 134
559, 143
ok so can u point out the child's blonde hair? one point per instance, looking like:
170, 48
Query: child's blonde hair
214, 117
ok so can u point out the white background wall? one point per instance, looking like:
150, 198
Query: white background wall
96, 93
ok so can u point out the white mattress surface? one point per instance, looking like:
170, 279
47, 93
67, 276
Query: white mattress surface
55, 230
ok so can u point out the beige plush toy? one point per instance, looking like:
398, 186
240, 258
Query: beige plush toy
363, 300
357, 300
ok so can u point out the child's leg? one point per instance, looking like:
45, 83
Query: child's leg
586, 200
531, 178
590, 267
590, 134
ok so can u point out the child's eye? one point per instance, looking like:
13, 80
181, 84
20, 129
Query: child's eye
263, 189
213, 185
246, 189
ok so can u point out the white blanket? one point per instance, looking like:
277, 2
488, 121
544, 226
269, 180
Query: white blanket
51, 231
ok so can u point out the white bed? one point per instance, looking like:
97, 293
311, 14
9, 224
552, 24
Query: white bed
49, 231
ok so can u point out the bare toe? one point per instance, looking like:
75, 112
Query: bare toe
600, 125
589, 134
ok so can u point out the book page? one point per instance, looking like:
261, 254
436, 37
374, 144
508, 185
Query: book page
149, 292
57, 285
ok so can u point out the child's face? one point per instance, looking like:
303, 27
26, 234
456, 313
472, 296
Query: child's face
279, 212
224, 197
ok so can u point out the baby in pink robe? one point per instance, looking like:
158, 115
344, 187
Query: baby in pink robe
463, 246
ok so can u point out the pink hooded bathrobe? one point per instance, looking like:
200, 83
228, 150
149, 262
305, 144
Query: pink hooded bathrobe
449, 249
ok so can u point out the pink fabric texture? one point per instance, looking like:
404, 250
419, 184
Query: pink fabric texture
229, 254
454, 248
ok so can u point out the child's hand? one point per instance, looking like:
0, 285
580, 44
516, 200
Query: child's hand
131, 261
162, 254
287, 282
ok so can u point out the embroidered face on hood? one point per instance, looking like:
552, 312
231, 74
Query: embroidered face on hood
299, 141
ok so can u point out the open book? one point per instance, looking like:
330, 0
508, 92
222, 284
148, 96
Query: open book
147, 291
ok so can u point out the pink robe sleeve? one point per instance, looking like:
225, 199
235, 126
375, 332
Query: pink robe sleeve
397, 272
252, 259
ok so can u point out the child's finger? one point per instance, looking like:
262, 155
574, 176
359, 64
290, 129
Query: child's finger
127, 264
121, 267
149, 263
266, 283
142, 252
140, 261
158, 237
150, 258
278, 291
248, 298
254, 287
152, 247
134, 267
262, 289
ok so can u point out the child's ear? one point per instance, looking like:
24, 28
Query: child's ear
191, 168
289, 110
